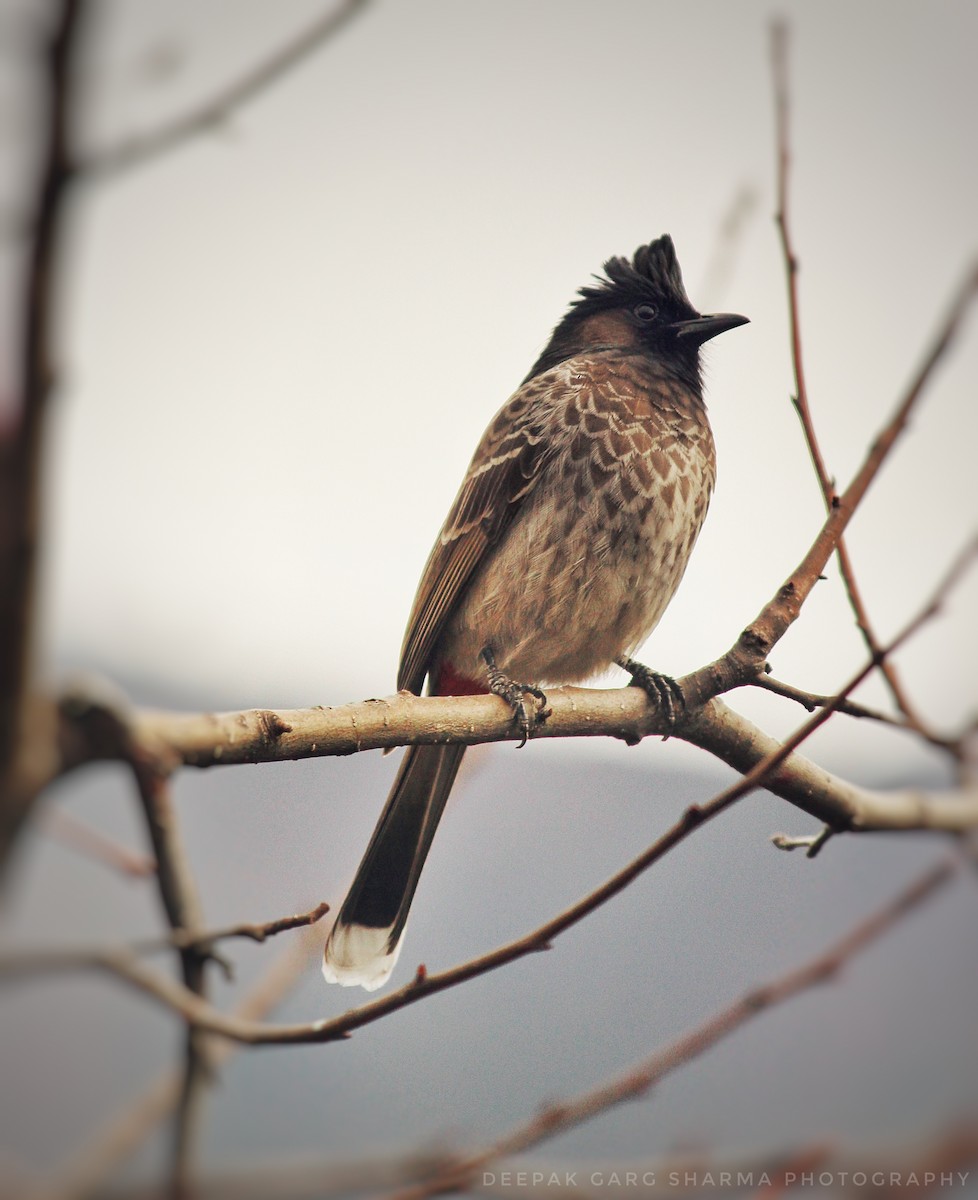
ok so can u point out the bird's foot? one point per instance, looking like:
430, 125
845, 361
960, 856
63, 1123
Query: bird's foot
662, 689
515, 695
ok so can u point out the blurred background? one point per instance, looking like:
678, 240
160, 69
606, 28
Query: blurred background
280, 344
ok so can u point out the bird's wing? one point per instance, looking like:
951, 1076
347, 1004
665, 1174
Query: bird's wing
504, 470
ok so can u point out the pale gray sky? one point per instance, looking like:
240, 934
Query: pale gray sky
282, 341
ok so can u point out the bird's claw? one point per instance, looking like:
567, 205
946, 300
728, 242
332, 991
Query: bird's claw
515, 695
662, 689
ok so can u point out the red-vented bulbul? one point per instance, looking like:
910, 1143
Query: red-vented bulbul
567, 540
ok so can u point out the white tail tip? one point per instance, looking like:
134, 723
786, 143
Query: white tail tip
357, 955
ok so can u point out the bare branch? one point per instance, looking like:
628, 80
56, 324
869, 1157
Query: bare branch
26, 740
730, 233
15, 964
178, 892
255, 933
637, 1082
745, 661
198, 1013
203, 740
779, 62
82, 1174
761, 773
142, 148
813, 700
838, 802
66, 828
209, 739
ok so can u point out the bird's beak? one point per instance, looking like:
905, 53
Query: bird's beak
698, 330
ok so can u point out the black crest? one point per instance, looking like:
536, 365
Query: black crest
653, 275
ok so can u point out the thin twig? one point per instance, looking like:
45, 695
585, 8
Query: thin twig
779, 65
558, 1118
17, 964
811, 843
813, 700
66, 828
144, 147
204, 939
730, 233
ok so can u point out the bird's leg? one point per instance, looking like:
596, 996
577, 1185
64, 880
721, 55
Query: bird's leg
515, 695
663, 689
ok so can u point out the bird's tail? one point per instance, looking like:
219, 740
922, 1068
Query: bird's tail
366, 939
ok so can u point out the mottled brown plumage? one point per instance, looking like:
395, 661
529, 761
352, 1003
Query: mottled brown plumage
567, 540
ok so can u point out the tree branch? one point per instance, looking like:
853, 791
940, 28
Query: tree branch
16, 964
745, 661
81, 1175
197, 1012
181, 903
760, 774
261, 736
779, 64
681, 1173
61, 825
558, 1118
730, 233
143, 147
212, 739
26, 737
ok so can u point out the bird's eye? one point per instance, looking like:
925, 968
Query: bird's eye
645, 312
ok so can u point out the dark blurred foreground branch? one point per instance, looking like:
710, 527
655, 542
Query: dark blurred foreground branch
28, 732
558, 1118
27, 735
143, 147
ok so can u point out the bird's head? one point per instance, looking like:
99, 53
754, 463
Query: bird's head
638, 305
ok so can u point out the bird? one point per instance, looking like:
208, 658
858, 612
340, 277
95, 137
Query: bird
568, 538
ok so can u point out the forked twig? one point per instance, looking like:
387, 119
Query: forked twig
814, 700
